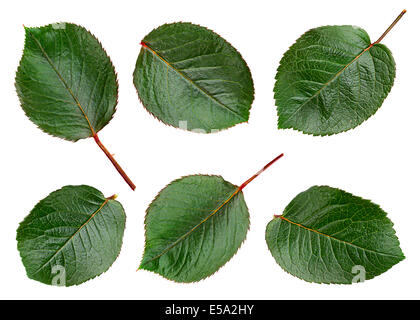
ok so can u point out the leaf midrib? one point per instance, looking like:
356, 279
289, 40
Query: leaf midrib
330, 81
282, 217
72, 236
202, 90
184, 236
67, 87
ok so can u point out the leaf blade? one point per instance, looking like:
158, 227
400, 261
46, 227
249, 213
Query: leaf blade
66, 83
187, 73
190, 214
340, 85
325, 232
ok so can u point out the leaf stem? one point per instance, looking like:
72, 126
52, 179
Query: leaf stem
390, 27
114, 162
261, 171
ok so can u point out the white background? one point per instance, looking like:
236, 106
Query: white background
378, 160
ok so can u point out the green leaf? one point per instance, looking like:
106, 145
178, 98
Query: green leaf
327, 235
189, 77
71, 236
66, 82
193, 227
332, 79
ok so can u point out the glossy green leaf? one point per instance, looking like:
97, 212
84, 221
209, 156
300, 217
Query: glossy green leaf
189, 77
66, 82
331, 80
193, 227
327, 235
71, 236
